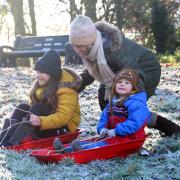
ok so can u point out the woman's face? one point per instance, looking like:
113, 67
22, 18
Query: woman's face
123, 87
83, 51
42, 78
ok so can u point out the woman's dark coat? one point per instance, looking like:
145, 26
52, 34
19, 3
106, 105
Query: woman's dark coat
121, 52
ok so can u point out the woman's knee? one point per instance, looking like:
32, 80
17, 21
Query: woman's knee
20, 111
40, 109
101, 95
24, 106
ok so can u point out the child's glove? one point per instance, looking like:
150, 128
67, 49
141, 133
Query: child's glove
103, 133
111, 133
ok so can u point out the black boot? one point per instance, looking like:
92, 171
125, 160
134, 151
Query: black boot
166, 126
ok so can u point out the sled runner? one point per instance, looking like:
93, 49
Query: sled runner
44, 143
114, 147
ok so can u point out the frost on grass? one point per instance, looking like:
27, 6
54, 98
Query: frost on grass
165, 152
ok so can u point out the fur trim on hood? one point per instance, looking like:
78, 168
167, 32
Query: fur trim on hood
113, 32
75, 84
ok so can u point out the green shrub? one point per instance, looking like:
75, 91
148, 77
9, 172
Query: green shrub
168, 58
177, 55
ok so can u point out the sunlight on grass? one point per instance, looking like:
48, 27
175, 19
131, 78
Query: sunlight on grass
162, 164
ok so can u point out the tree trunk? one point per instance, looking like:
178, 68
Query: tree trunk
90, 9
16, 7
32, 16
73, 9
18, 15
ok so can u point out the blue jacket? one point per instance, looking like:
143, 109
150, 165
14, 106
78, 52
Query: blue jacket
138, 115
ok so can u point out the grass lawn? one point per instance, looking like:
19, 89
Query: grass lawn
162, 164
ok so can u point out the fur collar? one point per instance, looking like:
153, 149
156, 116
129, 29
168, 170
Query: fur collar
113, 32
75, 84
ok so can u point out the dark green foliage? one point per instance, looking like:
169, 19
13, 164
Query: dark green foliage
162, 28
119, 13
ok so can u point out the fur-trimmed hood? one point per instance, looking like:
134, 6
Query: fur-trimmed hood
70, 79
112, 32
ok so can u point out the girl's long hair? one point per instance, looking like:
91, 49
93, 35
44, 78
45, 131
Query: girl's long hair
49, 97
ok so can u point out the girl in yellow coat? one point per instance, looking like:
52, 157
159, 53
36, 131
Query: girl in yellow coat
54, 105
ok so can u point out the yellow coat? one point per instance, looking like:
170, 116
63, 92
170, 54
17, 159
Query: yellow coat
68, 109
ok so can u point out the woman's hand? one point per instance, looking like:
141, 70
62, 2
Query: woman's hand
35, 120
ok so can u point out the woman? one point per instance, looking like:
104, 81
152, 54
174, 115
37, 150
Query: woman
105, 51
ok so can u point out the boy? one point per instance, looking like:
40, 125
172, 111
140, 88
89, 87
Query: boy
125, 116
127, 113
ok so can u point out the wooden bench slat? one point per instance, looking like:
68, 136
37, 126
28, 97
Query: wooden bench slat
34, 53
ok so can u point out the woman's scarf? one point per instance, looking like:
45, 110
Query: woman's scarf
97, 66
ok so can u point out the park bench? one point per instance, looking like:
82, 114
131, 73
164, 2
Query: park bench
32, 46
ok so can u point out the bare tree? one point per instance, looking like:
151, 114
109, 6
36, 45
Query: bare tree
32, 16
108, 9
3, 12
73, 9
16, 7
90, 9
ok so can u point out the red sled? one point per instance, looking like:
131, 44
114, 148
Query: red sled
115, 147
46, 142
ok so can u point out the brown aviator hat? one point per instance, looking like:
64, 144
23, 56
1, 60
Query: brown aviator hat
128, 74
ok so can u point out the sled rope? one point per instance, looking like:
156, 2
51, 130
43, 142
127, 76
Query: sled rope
24, 110
10, 126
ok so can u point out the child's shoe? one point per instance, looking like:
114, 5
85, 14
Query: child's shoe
76, 145
58, 146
